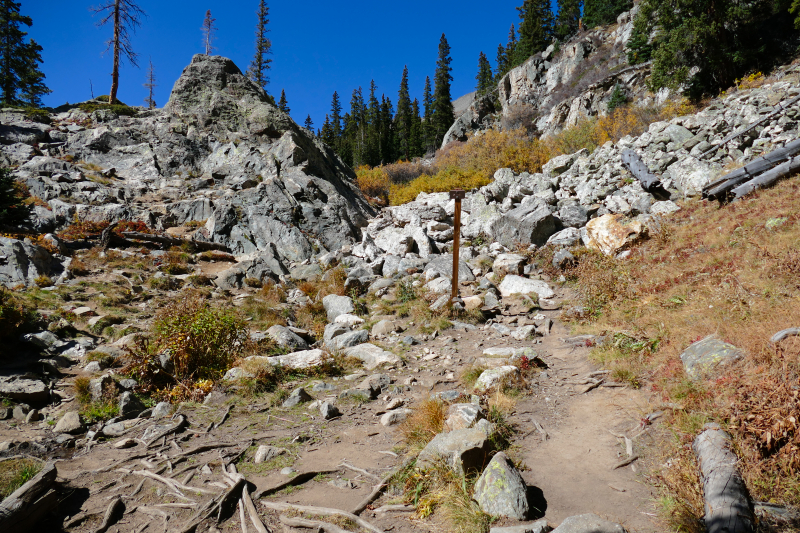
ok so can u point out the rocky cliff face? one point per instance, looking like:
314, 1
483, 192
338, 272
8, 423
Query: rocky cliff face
554, 89
217, 155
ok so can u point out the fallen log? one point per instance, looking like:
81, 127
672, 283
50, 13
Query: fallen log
767, 178
175, 241
29, 503
634, 163
727, 504
721, 186
739, 133
321, 511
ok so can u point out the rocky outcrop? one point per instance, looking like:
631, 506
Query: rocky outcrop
218, 154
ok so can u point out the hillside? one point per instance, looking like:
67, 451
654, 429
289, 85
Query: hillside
204, 310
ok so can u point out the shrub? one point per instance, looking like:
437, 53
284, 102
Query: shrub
15, 317
373, 182
423, 424
16, 472
203, 343
43, 281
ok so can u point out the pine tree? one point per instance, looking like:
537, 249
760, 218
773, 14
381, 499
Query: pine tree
416, 137
386, 129
484, 76
150, 84
309, 124
326, 133
505, 54
261, 63
599, 12
31, 79
427, 126
336, 118
283, 105
209, 29
535, 30
443, 115
356, 130
13, 209
372, 148
403, 118
126, 16
569, 15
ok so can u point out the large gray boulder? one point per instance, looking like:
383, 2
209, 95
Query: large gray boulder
23, 389
372, 356
501, 491
443, 265
701, 359
22, 262
286, 338
337, 305
347, 340
463, 450
530, 223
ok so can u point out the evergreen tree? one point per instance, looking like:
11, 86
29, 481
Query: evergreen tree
283, 105
309, 124
535, 30
427, 126
484, 76
356, 130
386, 129
618, 98
403, 118
150, 84
336, 118
326, 133
261, 63
600, 12
31, 79
416, 137
126, 16
443, 115
502, 64
569, 15
13, 210
511, 50
372, 149
209, 29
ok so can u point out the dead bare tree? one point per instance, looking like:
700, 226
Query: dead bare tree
126, 16
208, 32
150, 85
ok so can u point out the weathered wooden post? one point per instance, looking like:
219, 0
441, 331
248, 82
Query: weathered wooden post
457, 195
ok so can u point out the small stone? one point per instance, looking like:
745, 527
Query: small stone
83, 311
33, 416
588, 523
337, 305
704, 356
21, 411
215, 398
128, 384
265, 453
125, 443
129, 405
494, 377
383, 327
329, 411
288, 471
93, 367
297, 397
395, 417
206, 470
463, 415
464, 450
69, 423
395, 403
161, 410
513, 284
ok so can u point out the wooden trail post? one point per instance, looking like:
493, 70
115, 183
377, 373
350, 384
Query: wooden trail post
457, 195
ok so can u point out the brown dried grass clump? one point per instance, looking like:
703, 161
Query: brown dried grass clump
423, 424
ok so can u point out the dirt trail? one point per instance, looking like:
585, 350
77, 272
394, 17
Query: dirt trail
570, 470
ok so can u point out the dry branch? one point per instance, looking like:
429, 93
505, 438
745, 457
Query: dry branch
321, 511
215, 506
311, 524
360, 470
180, 424
625, 462
727, 505
372, 496
114, 512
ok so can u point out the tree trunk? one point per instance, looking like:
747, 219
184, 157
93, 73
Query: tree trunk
30, 502
727, 503
767, 178
115, 72
634, 163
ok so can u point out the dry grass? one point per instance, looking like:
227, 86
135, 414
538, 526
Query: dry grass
733, 271
423, 424
16, 472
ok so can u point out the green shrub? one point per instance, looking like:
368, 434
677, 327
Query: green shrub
203, 343
15, 317
13, 206
15, 473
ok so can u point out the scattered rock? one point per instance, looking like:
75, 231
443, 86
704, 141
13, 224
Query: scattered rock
494, 377
701, 358
286, 338
161, 410
508, 264
501, 491
395, 416
348, 340
383, 327
129, 405
463, 415
69, 423
329, 411
23, 389
122, 444
464, 450
613, 233
372, 356
588, 523
513, 284
540, 526
265, 453
297, 397
337, 305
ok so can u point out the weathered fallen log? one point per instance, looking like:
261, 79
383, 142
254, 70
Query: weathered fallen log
727, 503
722, 185
739, 133
29, 503
634, 163
175, 241
767, 178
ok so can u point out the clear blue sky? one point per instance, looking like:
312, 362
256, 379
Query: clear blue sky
318, 46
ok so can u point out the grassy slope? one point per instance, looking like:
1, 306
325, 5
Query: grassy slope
733, 271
